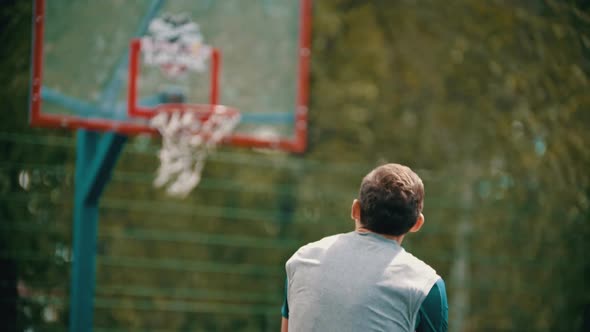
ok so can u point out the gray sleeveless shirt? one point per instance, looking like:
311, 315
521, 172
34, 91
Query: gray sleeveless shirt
356, 282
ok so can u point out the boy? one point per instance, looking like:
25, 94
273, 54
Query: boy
364, 280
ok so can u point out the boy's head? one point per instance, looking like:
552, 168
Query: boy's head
391, 198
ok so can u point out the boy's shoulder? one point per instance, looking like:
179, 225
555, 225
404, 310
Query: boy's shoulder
325, 241
316, 248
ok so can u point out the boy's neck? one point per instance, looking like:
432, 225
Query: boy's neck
361, 229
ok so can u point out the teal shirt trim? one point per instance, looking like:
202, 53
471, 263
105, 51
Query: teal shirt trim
433, 315
285, 308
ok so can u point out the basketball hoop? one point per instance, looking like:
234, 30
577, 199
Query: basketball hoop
189, 133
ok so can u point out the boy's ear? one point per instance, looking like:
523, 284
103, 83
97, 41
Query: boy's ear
355, 210
418, 224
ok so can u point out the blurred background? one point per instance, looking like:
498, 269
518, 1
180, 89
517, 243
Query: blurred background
488, 101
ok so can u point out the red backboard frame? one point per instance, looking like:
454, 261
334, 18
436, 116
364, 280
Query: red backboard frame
134, 110
296, 143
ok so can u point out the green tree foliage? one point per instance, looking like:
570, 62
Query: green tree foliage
487, 100
32, 266
491, 96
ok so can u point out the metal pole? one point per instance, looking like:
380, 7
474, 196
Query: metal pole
96, 157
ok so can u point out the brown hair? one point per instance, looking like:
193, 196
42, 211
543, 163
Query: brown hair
391, 199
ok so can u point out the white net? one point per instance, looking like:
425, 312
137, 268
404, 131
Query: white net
187, 140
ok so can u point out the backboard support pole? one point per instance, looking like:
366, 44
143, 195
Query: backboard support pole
96, 156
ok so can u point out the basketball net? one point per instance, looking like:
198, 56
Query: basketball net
189, 131
188, 136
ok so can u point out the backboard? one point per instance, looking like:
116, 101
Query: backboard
89, 70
